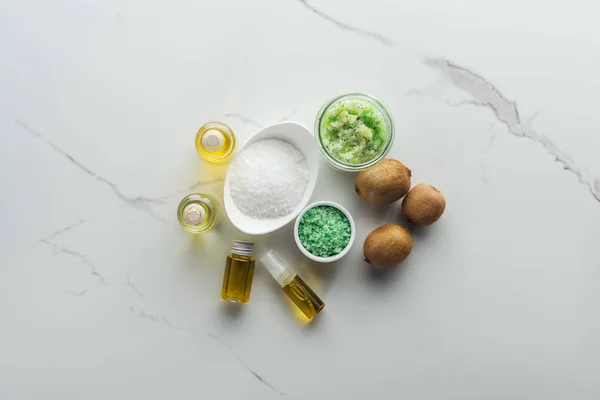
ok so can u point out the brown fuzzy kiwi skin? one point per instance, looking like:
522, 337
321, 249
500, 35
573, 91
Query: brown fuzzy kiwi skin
423, 205
387, 246
384, 183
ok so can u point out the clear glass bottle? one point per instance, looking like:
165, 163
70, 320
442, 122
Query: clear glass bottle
197, 212
239, 271
215, 142
292, 285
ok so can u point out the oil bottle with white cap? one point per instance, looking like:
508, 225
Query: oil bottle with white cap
197, 212
215, 142
292, 285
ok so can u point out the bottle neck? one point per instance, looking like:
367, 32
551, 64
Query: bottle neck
241, 257
285, 278
277, 268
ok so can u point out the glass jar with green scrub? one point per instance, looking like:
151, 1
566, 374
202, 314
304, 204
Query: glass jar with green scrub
354, 131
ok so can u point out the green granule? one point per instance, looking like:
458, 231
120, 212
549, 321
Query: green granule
353, 131
324, 231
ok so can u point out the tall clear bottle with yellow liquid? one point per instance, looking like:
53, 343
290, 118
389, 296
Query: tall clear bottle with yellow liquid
292, 285
239, 272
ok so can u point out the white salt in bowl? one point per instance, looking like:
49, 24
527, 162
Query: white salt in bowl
301, 138
337, 256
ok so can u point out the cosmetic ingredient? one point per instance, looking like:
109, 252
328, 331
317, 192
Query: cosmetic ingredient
353, 130
215, 141
324, 231
239, 271
197, 212
387, 246
384, 183
423, 205
268, 179
292, 285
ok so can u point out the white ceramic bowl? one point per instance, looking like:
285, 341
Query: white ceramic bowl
337, 256
299, 136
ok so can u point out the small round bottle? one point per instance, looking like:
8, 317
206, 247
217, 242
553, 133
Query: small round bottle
197, 213
215, 142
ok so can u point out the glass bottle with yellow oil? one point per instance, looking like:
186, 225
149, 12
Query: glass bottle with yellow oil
239, 271
215, 142
292, 285
197, 212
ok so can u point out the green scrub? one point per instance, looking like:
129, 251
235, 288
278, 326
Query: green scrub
353, 131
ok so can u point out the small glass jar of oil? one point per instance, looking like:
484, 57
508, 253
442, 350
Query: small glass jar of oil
197, 212
215, 142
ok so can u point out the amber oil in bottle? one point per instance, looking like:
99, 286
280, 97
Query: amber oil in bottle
292, 285
239, 271
197, 212
215, 142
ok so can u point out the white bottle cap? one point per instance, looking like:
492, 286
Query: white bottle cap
277, 268
213, 140
194, 214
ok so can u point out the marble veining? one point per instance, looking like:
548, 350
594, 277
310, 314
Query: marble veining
142, 203
244, 119
287, 117
262, 380
485, 94
133, 286
58, 250
347, 27
460, 318
164, 321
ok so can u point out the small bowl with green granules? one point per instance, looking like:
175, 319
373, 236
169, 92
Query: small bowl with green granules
324, 231
354, 131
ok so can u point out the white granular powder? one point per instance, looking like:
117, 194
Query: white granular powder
268, 179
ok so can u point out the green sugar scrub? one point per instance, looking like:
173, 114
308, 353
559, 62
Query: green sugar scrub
324, 231
353, 131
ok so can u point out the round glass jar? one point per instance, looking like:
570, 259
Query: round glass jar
354, 131
197, 212
215, 142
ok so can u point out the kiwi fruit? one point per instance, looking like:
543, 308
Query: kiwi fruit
387, 246
423, 205
384, 183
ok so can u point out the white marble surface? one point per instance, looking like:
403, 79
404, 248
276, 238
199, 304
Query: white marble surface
103, 295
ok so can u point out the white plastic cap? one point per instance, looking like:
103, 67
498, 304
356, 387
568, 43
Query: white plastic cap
277, 268
213, 140
194, 214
